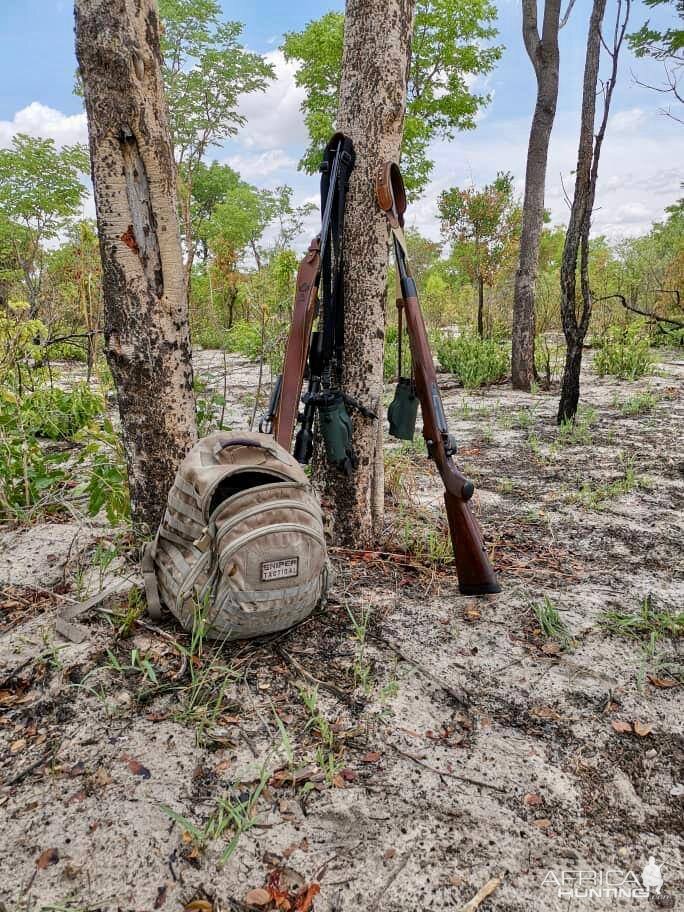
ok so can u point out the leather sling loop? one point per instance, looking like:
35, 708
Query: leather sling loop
332, 266
390, 194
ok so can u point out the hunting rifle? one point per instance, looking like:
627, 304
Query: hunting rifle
475, 573
318, 354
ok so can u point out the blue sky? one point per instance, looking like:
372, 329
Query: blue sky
641, 169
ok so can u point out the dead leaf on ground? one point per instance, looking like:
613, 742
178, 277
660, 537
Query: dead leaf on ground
371, 757
257, 897
547, 713
199, 905
620, 726
643, 728
101, 777
543, 823
551, 648
47, 858
531, 799
663, 682
472, 614
304, 901
389, 854
161, 897
136, 767
294, 777
17, 745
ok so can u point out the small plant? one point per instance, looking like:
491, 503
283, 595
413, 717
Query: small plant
552, 624
638, 404
594, 497
235, 812
203, 698
476, 362
648, 623
577, 432
362, 667
125, 617
624, 352
106, 481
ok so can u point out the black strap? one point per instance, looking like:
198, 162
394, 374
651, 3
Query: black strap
332, 268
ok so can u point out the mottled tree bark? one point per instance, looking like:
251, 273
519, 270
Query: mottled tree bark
544, 55
576, 314
377, 49
145, 305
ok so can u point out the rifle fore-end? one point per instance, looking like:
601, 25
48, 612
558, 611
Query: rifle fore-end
475, 573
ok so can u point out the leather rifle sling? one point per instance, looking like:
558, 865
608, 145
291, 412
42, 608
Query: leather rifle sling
297, 349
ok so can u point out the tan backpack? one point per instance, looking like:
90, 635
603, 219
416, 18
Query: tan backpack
242, 537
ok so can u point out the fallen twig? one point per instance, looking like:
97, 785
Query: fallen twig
450, 775
331, 688
461, 696
481, 895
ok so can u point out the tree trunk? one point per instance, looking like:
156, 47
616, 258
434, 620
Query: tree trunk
480, 307
145, 305
375, 64
578, 226
577, 236
571, 381
544, 55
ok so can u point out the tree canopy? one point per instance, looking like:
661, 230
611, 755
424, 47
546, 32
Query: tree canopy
449, 48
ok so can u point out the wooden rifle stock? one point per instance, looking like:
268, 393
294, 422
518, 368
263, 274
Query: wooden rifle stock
284, 412
475, 573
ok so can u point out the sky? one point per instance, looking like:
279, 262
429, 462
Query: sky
641, 167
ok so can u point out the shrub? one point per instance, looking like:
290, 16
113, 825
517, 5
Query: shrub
245, 337
59, 414
106, 481
27, 472
624, 352
476, 362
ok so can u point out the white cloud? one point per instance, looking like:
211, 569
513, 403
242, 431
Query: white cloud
628, 120
39, 120
637, 178
274, 118
263, 164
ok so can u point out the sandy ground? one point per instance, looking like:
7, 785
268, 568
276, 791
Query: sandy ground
450, 742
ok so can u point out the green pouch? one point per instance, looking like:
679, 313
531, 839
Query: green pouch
403, 410
336, 429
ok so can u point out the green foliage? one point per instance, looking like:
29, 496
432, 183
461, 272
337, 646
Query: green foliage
483, 226
638, 404
28, 472
104, 463
447, 50
20, 338
661, 44
206, 70
245, 338
40, 186
552, 624
624, 352
59, 414
476, 362
649, 622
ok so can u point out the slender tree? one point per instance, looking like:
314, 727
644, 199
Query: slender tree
145, 305
544, 56
576, 314
205, 70
483, 226
371, 111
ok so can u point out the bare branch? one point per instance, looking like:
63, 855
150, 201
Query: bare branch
566, 14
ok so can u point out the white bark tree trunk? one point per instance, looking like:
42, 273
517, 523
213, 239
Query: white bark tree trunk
147, 339
375, 67
544, 56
